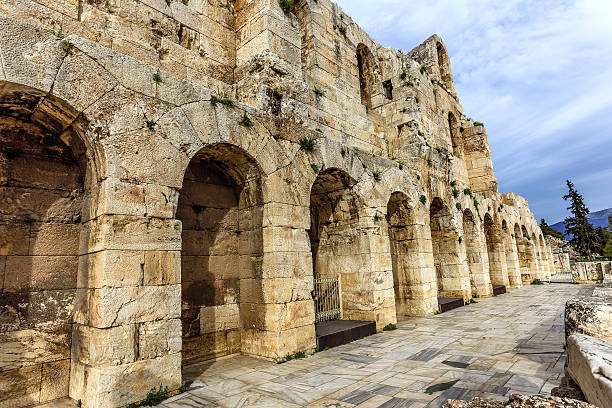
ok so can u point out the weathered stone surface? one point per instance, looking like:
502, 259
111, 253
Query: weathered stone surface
520, 401
591, 316
119, 146
590, 366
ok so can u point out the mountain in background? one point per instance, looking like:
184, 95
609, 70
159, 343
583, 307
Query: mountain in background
598, 219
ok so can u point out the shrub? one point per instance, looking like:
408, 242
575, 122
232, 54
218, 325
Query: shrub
423, 199
390, 327
342, 30
476, 203
453, 183
423, 70
286, 5
460, 240
376, 175
314, 168
318, 92
458, 206
478, 124
214, 100
307, 143
455, 193
377, 218
401, 165
343, 151
537, 282
467, 191
183, 388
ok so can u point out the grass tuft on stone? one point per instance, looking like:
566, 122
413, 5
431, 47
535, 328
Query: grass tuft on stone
68, 47
307, 143
246, 121
214, 100
286, 5
390, 327
537, 282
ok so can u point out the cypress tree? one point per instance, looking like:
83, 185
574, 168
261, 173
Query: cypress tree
585, 238
547, 230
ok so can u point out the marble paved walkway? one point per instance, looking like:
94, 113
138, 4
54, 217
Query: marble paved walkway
509, 344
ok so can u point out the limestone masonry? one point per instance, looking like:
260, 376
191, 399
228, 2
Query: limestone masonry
176, 176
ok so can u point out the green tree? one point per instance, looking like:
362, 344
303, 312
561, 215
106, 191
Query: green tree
585, 238
607, 251
547, 230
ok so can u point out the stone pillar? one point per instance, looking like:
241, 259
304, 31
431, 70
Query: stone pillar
512, 262
277, 310
127, 332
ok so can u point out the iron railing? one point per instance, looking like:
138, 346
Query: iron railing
328, 304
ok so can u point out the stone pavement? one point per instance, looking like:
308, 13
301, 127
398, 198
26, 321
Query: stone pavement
509, 344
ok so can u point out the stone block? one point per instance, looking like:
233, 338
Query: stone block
14, 239
159, 338
162, 268
590, 316
590, 366
27, 310
30, 347
219, 318
117, 386
20, 387
104, 347
111, 307
34, 273
111, 268
55, 380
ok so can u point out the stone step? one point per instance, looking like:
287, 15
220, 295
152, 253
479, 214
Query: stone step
337, 332
447, 304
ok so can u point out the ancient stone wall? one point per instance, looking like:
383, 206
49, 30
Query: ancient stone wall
177, 174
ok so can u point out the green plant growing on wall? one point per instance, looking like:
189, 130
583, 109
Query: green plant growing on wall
423, 200
157, 77
67, 47
403, 75
376, 175
390, 327
458, 206
286, 5
246, 121
455, 193
423, 70
318, 92
467, 191
401, 165
377, 218
460, 240
214, 100
478, 124
307, 143
155, 397
58, 34
342, 30
453, 183
343, 151
314, 168
476, 203
150, 125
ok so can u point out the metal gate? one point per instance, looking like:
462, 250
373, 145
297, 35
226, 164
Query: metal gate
328, 304
561, 277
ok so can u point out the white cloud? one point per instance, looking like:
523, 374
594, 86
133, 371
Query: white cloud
536, 72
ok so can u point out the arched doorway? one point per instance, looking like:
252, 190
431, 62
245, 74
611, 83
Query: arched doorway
367, 76
220, 207
44, 177
342, 260
476, 257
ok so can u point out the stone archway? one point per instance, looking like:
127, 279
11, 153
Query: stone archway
477, 261
220, 207
341, 250
46, 173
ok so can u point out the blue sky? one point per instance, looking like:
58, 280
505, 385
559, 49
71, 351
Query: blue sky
538, 73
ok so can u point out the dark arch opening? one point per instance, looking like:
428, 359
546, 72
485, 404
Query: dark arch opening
367, 77
221, 210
